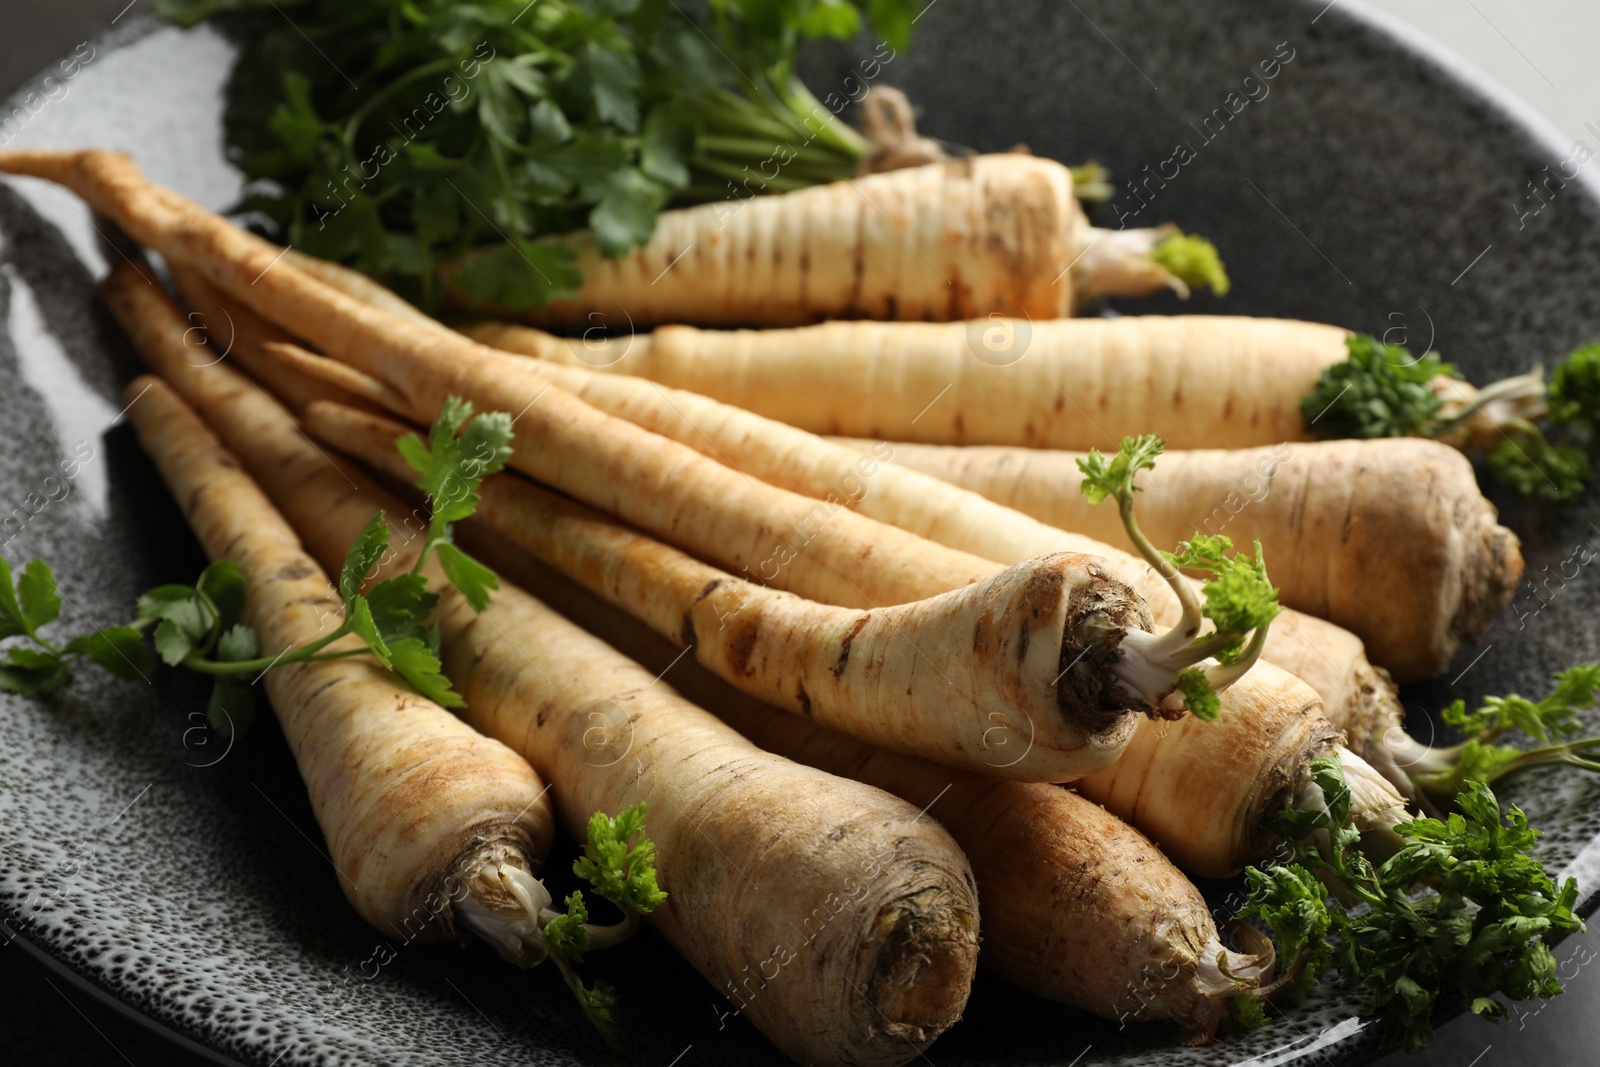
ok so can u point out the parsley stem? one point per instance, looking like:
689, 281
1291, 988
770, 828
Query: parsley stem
46, 644
261, 663
1190, 622
353, 124
1528, 387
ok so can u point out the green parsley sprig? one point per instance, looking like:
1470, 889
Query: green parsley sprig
1460, 914
1382, 390
198, 627
1554, 722
618, 861
1236, 596
1194, 261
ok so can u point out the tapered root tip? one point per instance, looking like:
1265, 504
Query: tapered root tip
924, 951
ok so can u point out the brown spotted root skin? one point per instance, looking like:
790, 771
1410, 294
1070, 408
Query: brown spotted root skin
1337, 519
1010, 676
1053, 383
1078, 907
937, 242
792, 892
1329, 658
886, 901
1174, 779
404, 791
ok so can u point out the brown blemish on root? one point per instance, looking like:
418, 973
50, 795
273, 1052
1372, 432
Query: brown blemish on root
687, 635
844, 646
742, 645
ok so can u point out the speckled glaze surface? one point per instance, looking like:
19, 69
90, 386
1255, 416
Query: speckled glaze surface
1370, 185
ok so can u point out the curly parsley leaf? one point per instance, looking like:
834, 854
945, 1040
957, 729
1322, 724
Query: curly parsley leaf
1556, 715
1552, 721
1293, 905
1238, 595
1459, 914
619, 860
1574, 389
1379, 390
1534, 467
1194, 261
1115, 477
1198, 696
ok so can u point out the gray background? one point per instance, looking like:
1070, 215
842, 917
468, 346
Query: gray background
1541, 50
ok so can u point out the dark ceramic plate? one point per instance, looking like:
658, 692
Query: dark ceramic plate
1372, 182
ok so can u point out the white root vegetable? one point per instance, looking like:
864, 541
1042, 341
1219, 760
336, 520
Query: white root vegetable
429, 825
943, 241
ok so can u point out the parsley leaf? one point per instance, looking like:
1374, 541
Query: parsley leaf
1574, 390
1194, 261
1552, 721
461, 450
566, 935
1534, 467
1238, 595
470, 131
365, 552
469, 577
619, 860
1104, 478
412, 659
1380, 390
119, 649
1458, 914
1238, 598
29, 672
37, 597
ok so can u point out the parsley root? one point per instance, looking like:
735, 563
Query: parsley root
950, 678
1186, 789
1077, 906
1405, 516
1094, 941
607, 462
846, 928
415, 850
1049, 383
943, 241
1359, 697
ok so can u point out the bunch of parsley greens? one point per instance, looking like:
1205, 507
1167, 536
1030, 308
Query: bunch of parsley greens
1459, 914
198, 627
399, 135
1382, 390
